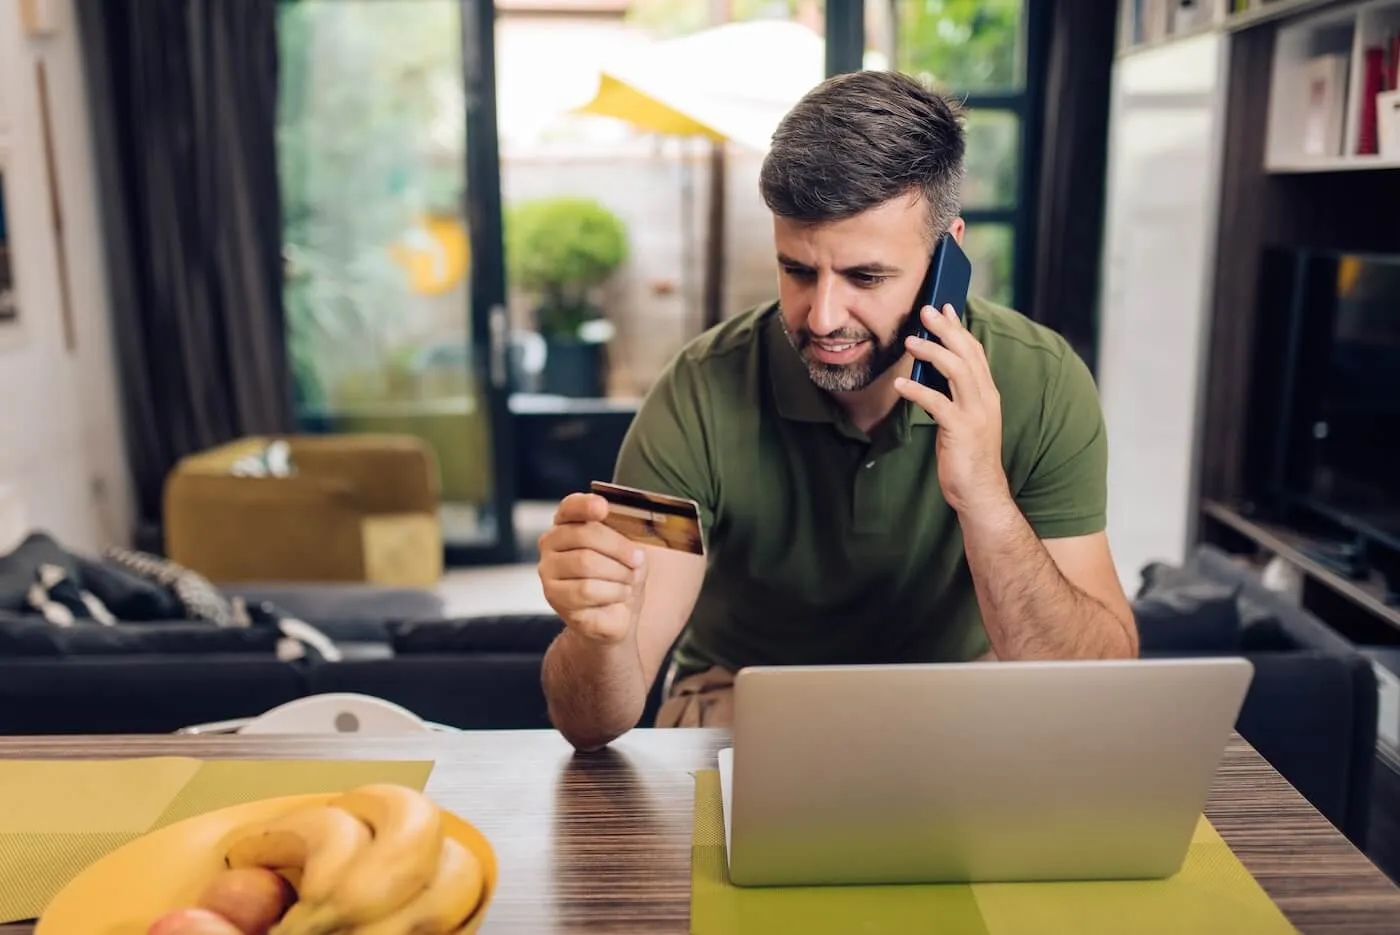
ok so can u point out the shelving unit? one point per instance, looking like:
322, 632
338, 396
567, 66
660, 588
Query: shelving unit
1238, 145
1160, 24
1327, 70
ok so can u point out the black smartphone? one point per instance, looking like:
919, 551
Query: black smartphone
948, 279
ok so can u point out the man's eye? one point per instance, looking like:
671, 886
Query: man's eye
797, 272
867, 280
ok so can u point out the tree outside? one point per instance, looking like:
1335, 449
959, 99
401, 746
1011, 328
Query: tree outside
370, 140
961, 46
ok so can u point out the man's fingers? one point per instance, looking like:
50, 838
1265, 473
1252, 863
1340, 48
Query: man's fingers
931, 401
961, 374
588, 592
581, 508
577, 564
945, 325
594, 537
949, 329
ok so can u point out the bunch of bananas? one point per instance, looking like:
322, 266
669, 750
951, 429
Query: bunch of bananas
372, 861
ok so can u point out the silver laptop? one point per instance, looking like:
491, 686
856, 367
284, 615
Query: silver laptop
975, 772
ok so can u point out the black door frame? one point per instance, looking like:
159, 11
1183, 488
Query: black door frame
488, 322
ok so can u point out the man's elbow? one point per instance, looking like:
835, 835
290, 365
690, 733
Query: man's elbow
586, 738
1127, 646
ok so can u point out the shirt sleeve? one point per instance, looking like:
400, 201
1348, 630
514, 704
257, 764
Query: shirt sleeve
1066, 493
666, 449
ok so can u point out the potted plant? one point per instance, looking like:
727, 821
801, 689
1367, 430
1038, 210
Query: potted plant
561, 249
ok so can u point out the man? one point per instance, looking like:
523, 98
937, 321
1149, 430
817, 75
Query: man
851, 515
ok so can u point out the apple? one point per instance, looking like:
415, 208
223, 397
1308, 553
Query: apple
252, 898
193, 922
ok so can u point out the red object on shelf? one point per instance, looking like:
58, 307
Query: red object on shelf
1373, 82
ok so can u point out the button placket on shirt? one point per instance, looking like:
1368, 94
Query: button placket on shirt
868, 497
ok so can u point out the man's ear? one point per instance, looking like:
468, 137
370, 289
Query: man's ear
957, 229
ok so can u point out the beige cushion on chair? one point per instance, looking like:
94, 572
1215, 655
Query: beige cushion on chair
402, 549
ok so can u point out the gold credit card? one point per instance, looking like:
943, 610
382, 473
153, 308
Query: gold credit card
652, 518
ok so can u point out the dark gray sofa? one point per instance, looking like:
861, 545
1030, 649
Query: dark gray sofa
1312, 707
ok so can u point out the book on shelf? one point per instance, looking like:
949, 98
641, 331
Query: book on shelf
1324, 111
1380, 70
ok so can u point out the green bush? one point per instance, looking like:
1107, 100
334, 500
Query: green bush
561, 248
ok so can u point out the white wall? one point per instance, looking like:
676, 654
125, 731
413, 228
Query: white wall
61, 444
1164, 166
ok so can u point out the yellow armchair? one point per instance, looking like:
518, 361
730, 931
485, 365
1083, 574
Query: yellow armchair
357, 508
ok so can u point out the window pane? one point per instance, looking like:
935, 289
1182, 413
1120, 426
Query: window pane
993, 150
991, 248
961, 45
372, 150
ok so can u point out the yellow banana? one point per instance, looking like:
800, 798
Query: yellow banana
398, 863
443, 907
317, 841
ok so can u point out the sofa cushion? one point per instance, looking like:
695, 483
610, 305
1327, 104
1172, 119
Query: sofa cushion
1178, 612
128, 596
139, 694
198, 597
20, 569
34, 636
1296, 628
509, 633
343, 604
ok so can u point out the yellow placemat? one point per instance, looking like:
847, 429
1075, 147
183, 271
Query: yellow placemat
88, 797
58, 816
220, 783
1212, 895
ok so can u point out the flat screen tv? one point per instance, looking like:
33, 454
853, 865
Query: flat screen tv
1337, 449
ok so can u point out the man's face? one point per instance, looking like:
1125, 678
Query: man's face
847, 288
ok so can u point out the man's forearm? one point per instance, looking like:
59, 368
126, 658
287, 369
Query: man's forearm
1030, 610
596, 691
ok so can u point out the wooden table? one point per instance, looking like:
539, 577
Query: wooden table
600, 843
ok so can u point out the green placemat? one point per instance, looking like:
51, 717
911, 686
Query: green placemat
1212, 895
59, 816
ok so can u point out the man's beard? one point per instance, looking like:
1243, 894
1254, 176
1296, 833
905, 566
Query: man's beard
848, 378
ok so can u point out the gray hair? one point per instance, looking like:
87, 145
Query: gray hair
858, 140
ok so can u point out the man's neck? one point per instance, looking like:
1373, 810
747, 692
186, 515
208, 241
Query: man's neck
872, 405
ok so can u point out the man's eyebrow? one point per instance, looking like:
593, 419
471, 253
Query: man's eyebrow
862, 269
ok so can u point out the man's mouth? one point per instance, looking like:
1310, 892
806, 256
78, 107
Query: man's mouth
837, 352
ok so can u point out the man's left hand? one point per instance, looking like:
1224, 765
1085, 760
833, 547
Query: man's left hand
969, 424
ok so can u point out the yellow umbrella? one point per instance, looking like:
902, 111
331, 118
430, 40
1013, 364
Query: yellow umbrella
618, 99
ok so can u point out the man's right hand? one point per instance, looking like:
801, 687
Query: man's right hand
593, 576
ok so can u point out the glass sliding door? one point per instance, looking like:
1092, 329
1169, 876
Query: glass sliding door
392, 241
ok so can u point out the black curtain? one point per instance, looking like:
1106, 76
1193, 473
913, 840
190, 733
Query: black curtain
183, 97
1073, 167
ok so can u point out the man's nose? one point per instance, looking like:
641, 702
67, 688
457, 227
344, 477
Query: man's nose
828, 311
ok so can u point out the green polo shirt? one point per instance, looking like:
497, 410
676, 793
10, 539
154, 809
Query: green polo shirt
830, 546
